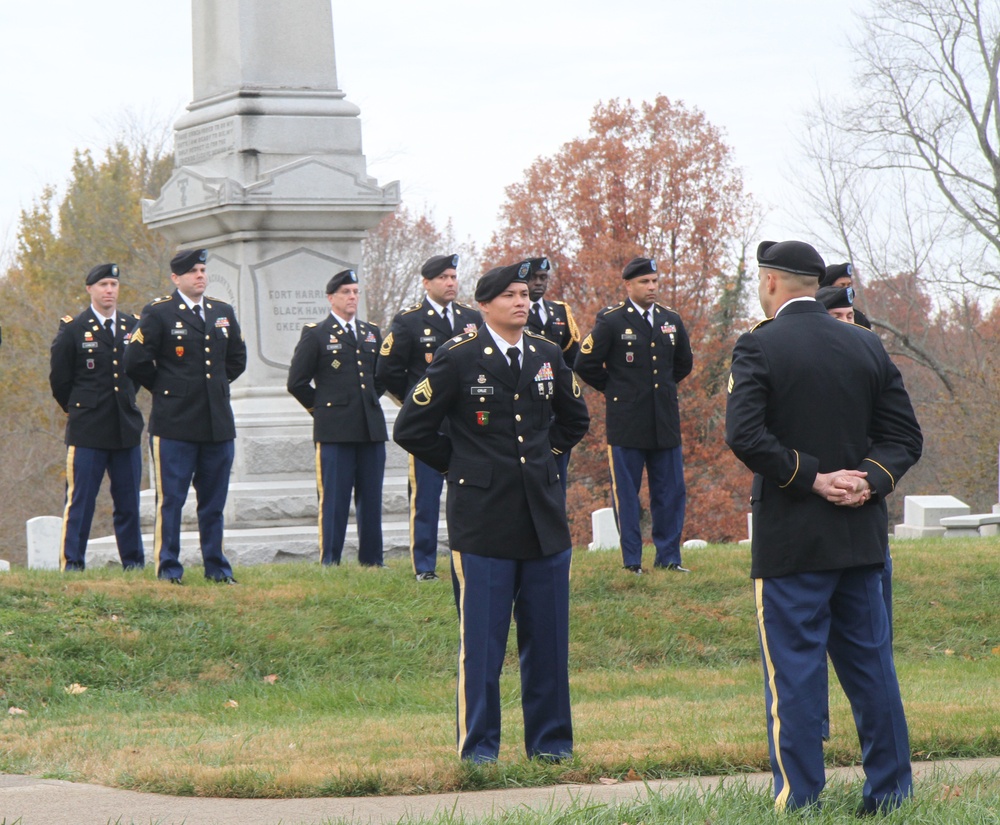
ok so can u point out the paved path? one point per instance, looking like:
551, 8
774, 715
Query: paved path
27, 800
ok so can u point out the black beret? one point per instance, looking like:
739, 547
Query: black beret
791, 256
499, 278
186, 260
834, 271
836, 297
436, 265
637, 267
348, 276
539, 265
99, 273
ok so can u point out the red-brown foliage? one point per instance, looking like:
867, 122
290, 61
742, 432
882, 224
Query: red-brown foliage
655, 179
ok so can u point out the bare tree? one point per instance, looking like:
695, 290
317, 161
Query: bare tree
929, 102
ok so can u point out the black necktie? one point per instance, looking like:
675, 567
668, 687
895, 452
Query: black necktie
109, 325
351, 339
536, 313
197, 310
646, 316
514, 355
447, 321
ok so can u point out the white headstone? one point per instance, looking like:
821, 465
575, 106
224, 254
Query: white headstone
44, 533
605, 530
4, 566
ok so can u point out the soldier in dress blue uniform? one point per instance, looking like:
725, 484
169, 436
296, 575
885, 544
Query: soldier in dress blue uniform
104, 425
187, 350
842, 275
333, 376
818, 411
552, 320
414, 337
509, 402
636, 355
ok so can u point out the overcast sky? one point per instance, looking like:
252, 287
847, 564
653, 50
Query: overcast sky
456, 98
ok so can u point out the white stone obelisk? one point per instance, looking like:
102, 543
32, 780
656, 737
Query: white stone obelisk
271, 178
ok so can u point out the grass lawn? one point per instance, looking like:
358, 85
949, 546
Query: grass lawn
305, 682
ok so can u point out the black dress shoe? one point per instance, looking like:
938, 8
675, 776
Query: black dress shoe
635, 568
174, 580
676, 568
427, 577
226, 580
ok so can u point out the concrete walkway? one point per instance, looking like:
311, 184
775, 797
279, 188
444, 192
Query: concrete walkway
26, 800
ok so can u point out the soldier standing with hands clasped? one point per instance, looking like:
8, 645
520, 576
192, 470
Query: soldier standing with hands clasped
819, 413
414, 337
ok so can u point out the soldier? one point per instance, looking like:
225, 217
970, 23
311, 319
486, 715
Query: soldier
414, 337
636, 355
819, 413
187, 350
551, 319
104, 425
842, 275
490, 412
333, 376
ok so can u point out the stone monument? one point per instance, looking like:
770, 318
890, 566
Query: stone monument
271, 178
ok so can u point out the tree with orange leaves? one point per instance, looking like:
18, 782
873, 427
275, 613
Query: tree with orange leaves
658, 180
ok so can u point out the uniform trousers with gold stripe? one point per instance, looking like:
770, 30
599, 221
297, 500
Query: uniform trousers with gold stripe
176, 466
536, 590
667, 501
340, 468
425, 488
801, 617
85, 469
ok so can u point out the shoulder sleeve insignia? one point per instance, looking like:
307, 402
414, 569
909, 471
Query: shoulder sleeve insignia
137, 337
386, 347
422, 393
576, 387
587, 346
66, 319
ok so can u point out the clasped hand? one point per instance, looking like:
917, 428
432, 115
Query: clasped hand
845, 488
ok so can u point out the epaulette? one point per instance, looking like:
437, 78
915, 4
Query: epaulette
669, 309
408, 310
137, 317
458, 340
612, 308
537, 336
759, 324
217, 300
160, 300
310, 325
66, 319
463, 306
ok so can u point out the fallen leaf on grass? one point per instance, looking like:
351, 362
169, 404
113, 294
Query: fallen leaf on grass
16, 711
632, 776
232, 703
271, 678
950, 792
75, 689
949, 652
607, 780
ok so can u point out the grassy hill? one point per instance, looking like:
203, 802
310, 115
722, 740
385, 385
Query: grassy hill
304, 681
